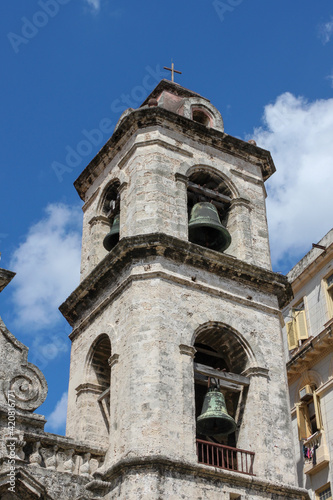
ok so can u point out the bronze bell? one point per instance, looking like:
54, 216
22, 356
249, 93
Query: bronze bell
112, 238
214, 419
205, 228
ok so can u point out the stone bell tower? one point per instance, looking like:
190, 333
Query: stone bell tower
158, 317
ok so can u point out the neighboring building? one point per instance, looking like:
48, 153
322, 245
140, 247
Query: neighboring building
309, 332
160, 315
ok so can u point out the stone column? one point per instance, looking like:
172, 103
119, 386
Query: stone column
181, 200
189, 426
99, 227
239, 226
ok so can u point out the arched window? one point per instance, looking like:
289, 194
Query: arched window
220, 355
201, 116
93, 394
207, 187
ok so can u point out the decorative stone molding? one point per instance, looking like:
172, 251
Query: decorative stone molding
188, 350
28, 387
88, 387
241, 202
181, 177
85, 469
69, 462
256, 371
122, 187
23, 383
50, 457
99, 219
35, 458
113, 360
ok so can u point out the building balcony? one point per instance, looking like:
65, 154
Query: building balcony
316, 455
225, 457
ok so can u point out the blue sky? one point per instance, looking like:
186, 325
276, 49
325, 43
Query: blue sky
71, 66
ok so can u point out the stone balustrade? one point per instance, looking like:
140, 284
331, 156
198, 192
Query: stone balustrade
51, 452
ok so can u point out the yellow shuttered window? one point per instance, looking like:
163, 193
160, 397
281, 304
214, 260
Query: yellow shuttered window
303, 421
296, 328
300, 319
291, 335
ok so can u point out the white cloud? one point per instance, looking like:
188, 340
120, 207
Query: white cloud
46, 348
326, 31
47, 267
58, 417
94, 4
300, 202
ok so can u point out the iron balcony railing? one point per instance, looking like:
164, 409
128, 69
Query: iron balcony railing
225, 457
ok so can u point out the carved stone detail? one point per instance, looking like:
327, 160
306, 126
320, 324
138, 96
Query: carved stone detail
35, 458
69, 463
50, 457
85, 467
23, 382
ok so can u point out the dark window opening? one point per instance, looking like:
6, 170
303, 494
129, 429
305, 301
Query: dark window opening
208, 356
111, 203
101, 375
111, 209
200, 116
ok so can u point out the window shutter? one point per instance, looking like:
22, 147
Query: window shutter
291, 335
302, 331
316, 401
303, 421
300, 423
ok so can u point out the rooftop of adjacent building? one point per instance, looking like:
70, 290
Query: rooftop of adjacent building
316, 257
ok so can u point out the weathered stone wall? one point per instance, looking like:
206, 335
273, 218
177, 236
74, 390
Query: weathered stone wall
163, 480
152, 385
154, 198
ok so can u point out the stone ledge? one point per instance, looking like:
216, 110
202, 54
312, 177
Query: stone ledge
232, 479
138, 248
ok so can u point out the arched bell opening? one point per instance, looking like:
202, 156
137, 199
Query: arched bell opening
208, 204
99, 381
111, 210
218, 363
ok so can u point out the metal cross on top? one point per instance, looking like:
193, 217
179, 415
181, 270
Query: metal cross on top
173, 71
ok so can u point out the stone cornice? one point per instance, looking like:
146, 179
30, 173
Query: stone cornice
215, 474
137, 248
159, 117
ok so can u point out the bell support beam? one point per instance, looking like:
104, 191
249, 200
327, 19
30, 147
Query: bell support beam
214, 195
230, 381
